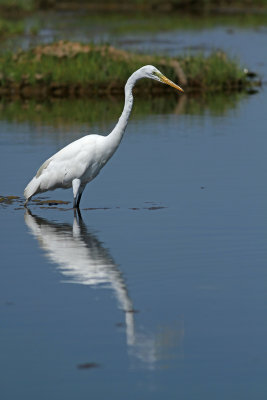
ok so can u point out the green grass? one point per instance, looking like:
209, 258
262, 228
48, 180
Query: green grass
9, 27
17, 5
66, 68
216, 71
141, 22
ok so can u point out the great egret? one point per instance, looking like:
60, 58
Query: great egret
81, 161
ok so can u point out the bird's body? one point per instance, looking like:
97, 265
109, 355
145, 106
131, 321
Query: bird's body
81, 161
70, 163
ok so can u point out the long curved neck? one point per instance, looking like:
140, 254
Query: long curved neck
117, 133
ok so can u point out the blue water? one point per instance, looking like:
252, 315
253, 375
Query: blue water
160, 289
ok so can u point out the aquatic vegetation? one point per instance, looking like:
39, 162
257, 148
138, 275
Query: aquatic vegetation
216, 71
10, 27
10, 200
68, 69
17, 6
141, 22
40, 202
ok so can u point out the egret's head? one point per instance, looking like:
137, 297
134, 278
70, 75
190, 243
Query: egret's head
149, 71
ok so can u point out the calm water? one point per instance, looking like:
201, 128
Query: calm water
160, 289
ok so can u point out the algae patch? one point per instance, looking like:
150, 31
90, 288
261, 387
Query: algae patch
11, 200
49, 202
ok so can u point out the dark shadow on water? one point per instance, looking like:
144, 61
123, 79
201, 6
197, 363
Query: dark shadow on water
82, 259
49, 204
68, 113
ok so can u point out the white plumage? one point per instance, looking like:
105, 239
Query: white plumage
81, 161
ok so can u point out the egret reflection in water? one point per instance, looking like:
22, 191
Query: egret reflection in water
82, 259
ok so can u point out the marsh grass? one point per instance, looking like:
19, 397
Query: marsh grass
215, 71
67, 69
17, 5
10, 27
141, 22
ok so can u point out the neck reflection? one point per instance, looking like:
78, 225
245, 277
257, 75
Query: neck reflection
82, 259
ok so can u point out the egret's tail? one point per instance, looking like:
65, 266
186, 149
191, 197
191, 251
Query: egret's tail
31, 189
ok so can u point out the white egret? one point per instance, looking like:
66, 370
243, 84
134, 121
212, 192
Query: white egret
81, 161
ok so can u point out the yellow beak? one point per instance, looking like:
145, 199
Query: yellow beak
170, 83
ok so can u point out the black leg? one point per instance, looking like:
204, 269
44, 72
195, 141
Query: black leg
79, 199
78, 212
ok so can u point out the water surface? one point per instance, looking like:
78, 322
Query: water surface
160, 288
